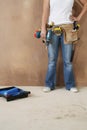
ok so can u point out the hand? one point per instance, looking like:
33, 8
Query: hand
43, 34
73, 18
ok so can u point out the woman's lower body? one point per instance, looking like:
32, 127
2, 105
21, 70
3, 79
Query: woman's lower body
53, 49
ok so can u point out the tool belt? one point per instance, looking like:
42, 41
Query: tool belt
70, 34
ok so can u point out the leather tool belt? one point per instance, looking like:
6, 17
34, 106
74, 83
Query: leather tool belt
70, 34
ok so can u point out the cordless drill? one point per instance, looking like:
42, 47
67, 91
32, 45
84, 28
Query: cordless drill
37, 34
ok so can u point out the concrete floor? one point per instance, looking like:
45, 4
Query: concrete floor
57, 110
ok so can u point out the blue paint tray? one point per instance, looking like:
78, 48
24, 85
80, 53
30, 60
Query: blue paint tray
12, 93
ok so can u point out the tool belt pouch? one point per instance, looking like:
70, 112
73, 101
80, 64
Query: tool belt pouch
70, 35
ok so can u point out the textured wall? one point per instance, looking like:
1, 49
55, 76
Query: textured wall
23, 59
21, 56
80, 62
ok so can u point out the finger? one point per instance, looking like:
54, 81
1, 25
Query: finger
72, 18
42, 34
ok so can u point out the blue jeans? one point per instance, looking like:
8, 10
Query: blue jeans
53, 49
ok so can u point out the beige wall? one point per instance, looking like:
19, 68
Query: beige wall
23, 59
